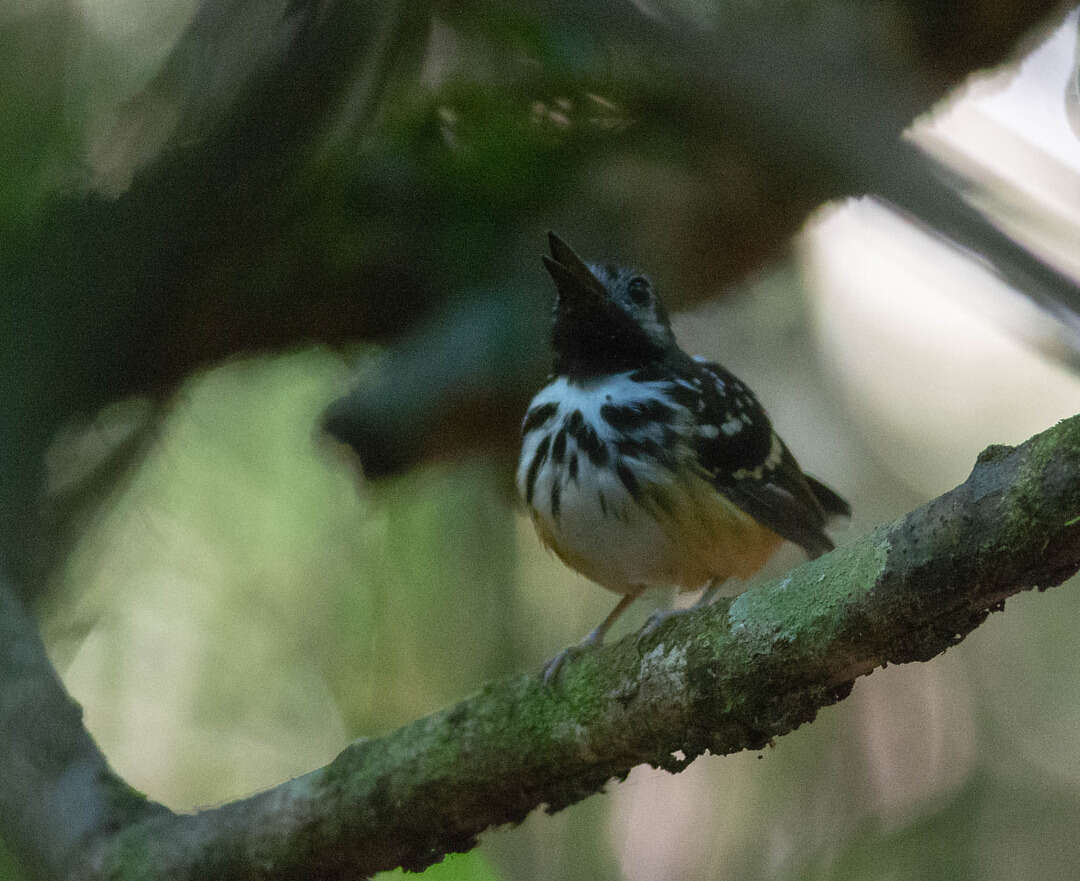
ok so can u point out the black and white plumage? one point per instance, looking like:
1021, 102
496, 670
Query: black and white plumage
642, 466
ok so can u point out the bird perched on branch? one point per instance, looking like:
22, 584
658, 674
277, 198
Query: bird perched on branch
643, 466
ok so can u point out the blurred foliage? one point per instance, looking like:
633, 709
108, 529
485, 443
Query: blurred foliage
35, 136
276, 173
9, 869
456, 867
250, 550
974, 835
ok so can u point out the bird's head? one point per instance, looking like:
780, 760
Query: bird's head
608, 318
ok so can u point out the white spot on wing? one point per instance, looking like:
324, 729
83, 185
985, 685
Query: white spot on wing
744, 473
776, 452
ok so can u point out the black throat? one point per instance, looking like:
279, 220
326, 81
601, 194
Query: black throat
588, 346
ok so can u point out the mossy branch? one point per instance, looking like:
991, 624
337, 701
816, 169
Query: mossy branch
724, 679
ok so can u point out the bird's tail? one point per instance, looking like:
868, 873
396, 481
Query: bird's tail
831, 503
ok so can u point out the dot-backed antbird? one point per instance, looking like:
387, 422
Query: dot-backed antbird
643, 466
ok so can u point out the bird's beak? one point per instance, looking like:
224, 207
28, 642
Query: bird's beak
575, 281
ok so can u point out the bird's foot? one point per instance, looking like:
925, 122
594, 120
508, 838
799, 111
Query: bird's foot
657, 618
555, 665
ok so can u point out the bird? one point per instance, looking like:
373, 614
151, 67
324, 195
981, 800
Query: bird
643, 466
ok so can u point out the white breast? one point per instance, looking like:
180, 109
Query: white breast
598, 528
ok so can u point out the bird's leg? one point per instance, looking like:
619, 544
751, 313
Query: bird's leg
593, 640
708, 596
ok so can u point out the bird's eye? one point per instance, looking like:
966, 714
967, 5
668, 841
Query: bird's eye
639, 290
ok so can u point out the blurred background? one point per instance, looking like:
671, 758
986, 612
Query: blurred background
222, 218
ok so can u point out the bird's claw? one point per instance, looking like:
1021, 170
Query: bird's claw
552, 667
555, 665
656, 619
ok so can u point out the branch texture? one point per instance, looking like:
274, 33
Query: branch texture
723, 679
58, 792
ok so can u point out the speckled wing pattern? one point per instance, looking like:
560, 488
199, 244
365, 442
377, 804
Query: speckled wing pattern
742, 457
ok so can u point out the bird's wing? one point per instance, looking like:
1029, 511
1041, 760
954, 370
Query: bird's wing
742, 457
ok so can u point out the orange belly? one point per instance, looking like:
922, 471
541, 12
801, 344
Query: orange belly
684, 534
